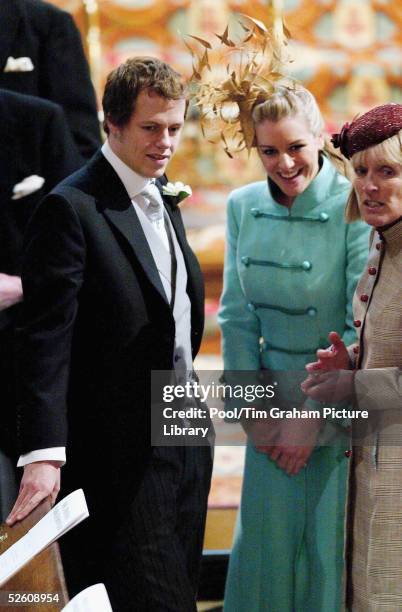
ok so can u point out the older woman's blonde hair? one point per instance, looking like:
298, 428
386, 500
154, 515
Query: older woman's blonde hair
287, 101
388, 152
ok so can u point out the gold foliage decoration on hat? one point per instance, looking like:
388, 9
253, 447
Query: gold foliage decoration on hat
242, 75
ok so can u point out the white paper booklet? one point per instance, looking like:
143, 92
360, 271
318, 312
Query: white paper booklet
92, 599
66, 514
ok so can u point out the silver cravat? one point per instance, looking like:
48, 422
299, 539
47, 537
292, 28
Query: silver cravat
153, 204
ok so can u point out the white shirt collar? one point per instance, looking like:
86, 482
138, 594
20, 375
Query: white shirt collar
133, 182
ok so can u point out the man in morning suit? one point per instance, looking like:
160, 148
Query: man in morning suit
41, 54
36, 153
113, 291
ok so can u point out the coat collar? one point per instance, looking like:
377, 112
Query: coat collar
392, 235
11, 11
114, 202
134, 183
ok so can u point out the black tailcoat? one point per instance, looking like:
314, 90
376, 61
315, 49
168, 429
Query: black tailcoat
95, 322
49, 37
36, 140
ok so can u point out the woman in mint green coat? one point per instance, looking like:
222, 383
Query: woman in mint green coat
291, 267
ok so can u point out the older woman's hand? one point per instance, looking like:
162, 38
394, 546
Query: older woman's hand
336, 357
331, 386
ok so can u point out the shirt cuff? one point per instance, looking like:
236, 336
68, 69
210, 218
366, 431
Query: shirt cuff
57, 453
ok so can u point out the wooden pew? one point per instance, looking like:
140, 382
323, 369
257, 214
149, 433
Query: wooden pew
42, 575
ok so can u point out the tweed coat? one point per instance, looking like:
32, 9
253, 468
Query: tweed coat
290, 276
375, 527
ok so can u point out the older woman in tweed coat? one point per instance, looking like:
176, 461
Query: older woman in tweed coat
374, 550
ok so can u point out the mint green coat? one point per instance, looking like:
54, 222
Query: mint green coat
289, 279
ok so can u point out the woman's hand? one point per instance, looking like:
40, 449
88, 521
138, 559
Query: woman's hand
295, 443
336, 357
262, 433
331, 386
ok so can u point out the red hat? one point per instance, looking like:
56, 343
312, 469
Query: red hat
369, 129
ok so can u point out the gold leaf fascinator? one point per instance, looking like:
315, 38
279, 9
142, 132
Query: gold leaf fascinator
230, 79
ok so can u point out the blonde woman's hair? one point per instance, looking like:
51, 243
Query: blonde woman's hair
290, 101
388, 151
287, 102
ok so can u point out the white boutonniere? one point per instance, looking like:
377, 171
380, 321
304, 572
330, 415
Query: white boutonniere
27, 186
177, 191
19, 64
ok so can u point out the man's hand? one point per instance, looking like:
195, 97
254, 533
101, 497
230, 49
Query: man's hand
333, 386
10, 290
40, 480
295, 444
336, 357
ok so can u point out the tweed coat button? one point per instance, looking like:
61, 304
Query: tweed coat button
378, 246
348, 453
245, 260
307, 265
311, 311
364, 297
324, 217
357, 323
356, 350
372, 271
255, 212
251, 307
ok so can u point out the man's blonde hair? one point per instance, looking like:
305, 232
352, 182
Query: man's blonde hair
388, 151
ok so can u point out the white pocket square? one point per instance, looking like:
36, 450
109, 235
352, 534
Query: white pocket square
19, 64
27, 186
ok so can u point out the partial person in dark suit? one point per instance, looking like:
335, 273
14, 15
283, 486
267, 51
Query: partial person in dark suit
41, 54
113, 291
36, 153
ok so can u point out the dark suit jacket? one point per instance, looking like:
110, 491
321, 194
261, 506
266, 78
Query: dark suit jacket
35, 140
50, 38
94, 323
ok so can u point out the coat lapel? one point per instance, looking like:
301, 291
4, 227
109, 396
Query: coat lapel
195, 283
11, 11
114, 203
176, 221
